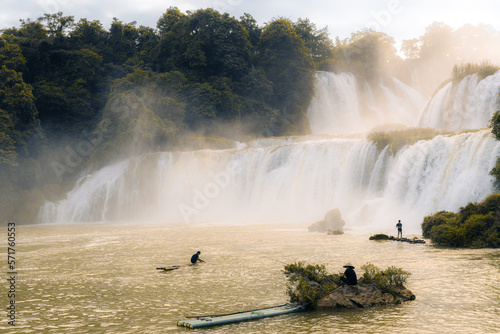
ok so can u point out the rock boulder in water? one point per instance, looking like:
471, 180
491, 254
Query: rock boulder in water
333, 221
363, 296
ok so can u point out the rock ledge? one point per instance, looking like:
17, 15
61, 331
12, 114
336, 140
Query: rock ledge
363, 296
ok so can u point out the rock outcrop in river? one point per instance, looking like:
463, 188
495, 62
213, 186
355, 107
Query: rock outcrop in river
363, 296
333, 222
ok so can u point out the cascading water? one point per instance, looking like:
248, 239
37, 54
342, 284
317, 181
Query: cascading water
294, 182
469, 104
342, 104
298, 179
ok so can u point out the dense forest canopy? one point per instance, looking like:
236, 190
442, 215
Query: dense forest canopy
76, 96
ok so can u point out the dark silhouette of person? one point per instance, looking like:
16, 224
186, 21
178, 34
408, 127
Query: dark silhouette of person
400, 229
349, 275
196, 258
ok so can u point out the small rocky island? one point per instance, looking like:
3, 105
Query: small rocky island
312, 286
382, 236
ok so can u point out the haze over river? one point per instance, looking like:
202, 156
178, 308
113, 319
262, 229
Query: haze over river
247, 210
102, 278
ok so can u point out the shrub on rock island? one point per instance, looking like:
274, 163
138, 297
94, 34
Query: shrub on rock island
381, 236
387, 279
308, 284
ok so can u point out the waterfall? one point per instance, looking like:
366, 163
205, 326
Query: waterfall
469, 104
299, 179
293, 180
342, 104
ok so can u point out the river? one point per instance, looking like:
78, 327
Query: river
102, 278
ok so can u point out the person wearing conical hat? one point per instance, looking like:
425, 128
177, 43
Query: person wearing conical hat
349, 276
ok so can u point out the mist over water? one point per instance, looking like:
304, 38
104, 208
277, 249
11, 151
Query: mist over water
292, 182
113, 286
343, 104
298, 179
470, 104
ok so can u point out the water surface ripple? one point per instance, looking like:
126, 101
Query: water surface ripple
94, 278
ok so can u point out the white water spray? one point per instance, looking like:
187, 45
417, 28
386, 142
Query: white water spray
342, 104
295, 182
470, 104
299, 179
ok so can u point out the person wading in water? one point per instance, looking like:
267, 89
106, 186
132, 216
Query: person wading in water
196, 258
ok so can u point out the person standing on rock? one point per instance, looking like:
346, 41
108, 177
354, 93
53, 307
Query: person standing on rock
349, 276
400, 229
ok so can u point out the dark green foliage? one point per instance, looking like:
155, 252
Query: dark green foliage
22, 143
204, 43
249, 23
11, 55
280, 48
476, 225
495, 125
439, 218
316, 40
8, 153
495, 130
233, 69
309, 283
22, 126
380, 237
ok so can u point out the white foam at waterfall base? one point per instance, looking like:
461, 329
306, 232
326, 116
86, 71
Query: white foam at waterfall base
295, 182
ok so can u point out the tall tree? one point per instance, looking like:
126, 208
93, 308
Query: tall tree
89, 35
368, 54
250, 24
122, 41
317, 40
58, 25
204, 43
288, 65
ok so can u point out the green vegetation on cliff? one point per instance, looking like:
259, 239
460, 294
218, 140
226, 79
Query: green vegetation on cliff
395, 140
495, 130
476, 225
482, 70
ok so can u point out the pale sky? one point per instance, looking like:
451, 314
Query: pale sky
400, 19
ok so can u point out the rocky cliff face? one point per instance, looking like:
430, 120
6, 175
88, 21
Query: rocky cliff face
363, 296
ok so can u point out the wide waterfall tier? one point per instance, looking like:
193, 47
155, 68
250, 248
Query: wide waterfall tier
297, 180
342, 104
468, 104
